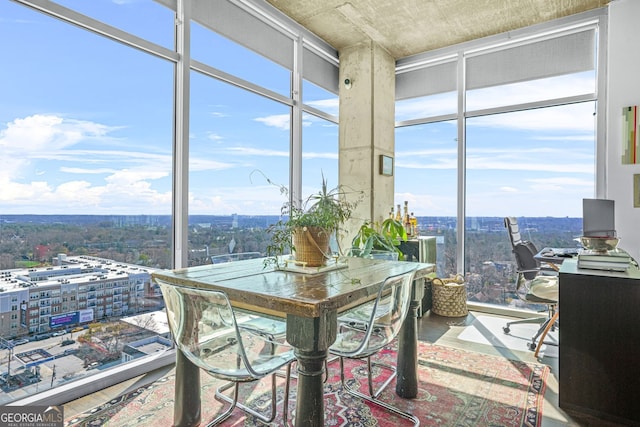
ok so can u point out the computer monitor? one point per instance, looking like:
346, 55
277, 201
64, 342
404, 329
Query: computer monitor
598, 218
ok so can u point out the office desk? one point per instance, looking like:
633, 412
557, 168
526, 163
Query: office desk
310, 303
600, 342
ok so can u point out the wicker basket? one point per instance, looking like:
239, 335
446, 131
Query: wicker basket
311, 246
449, 296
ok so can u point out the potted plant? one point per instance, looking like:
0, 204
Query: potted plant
373, 240
305, 230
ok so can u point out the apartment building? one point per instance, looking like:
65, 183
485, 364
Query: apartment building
77, 290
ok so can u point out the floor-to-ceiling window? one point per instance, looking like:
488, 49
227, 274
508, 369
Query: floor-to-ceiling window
426, 177
320, 137
86, 130
529, 150
239, 139
536, 165
88, 139
319, 154
519, 137
426, 153
258, 126
86, 146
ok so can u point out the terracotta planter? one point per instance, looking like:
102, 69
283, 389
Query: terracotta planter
311, 245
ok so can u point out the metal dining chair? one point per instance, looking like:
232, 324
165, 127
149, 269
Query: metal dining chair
228, 344
366, 329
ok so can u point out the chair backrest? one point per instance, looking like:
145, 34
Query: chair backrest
377, 323
523, 250
206, 329
511, 224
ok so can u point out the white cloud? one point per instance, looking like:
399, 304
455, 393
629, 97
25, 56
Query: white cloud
509, 189
559, 185
86, 171
15, 192
280, 121
434, 105
262, 152
39, 132
224, 199
484, 163
283, 121
543, 159
428, 163
327, 105
427, 204
569, 118
529, 91
125, 177
566, 118
25, 139
53, 145
556, 138
251, 151
197, 164
320, 155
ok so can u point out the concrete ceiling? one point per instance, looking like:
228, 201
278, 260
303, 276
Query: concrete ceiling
408, 27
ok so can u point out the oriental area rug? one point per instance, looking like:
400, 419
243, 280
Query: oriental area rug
456, 388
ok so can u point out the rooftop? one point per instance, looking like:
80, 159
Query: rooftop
71, 270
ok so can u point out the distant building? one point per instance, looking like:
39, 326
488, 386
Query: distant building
145, 347
41, 252
78, 289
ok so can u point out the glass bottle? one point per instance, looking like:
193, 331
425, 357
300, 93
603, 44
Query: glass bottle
414, 224
405, 219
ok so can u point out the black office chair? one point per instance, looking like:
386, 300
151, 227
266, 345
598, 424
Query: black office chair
536, 283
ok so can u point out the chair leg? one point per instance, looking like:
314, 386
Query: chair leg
552, 322
285, 403
543, 321
261, 417
220, 418
549, 323
394, 372
373, 399
507, 328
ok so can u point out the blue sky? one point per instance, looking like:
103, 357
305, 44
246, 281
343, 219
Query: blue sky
85, 127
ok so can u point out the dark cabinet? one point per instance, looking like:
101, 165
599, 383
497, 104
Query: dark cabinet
600, 343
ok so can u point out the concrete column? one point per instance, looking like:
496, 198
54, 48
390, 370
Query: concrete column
367, 119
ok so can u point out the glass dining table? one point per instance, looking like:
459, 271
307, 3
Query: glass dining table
310, 299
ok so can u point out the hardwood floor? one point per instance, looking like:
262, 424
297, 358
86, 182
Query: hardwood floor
431, 328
